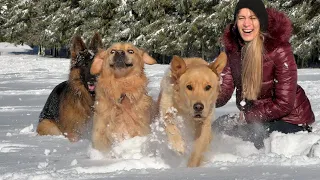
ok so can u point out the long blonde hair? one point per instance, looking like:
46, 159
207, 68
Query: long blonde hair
252, 68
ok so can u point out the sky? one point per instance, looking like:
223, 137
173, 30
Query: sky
27, 80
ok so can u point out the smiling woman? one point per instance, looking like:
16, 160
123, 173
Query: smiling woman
262, 68
248, 24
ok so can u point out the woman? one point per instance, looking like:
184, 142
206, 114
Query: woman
262, 69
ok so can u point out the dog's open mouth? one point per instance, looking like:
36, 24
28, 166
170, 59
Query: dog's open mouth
124, 65
198, 116
91, 86
121, 65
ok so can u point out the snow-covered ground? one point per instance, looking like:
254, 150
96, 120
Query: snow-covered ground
6, 48
25, 83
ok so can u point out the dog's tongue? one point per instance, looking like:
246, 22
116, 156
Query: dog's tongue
91, 87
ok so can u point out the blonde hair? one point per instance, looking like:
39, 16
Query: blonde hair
252, 71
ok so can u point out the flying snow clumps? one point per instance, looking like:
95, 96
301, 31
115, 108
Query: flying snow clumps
74, 162
27, 130
43, 165
47, 152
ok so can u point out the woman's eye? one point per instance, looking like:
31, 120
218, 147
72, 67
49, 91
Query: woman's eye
207, 88
130, 51
189, 87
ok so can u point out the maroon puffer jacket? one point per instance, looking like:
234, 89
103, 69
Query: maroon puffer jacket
281, 97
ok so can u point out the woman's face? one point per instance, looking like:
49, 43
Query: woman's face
248, 24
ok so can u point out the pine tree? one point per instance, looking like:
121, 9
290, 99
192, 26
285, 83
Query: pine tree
121, 27
96, 16
18, 21
305, 17
166, 27
156, 26
3, 18
208, 21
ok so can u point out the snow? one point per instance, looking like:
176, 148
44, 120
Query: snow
8, 47
27, 80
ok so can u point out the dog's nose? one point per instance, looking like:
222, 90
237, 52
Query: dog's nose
92, 78
120, 53
198, 107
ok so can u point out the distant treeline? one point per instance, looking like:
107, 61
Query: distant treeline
162, 27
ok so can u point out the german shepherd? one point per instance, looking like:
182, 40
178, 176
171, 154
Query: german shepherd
123, 107
190, 91
69, 108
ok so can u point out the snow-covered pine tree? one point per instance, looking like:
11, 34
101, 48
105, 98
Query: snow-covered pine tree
208, 20
18, 21
96, 16
4, 4
62, 23
305, 16
122, 26
38, 33
164, 26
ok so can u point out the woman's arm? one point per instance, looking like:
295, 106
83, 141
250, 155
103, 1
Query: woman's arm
284, 90
226, 87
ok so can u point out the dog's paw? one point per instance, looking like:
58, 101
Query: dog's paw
179, 147
73, 137
175, 140
194, 163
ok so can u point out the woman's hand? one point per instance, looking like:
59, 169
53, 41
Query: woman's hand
246, 105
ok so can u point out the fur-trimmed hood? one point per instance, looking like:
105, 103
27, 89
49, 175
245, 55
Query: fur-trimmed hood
279, 32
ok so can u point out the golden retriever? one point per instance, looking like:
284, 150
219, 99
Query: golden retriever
123, 106
190, 90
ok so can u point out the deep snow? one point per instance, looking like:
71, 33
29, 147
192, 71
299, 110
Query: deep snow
27, 80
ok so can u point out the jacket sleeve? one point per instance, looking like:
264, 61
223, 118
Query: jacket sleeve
226, 86
284, 89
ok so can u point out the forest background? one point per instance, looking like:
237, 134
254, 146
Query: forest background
162, 27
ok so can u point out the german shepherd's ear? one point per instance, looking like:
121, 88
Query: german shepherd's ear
96, 43
77, 45
218, 65
96, 66
178, 67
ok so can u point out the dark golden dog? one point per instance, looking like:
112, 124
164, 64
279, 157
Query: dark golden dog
190, 90
69, 107
122, 108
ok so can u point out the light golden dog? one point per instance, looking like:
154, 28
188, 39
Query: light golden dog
190, 90
122, 107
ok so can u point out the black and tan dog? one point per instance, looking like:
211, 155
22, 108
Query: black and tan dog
69, 108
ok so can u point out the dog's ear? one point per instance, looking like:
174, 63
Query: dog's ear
96, 43
96, 66
147, 58
178, 67
218, 65
76, 46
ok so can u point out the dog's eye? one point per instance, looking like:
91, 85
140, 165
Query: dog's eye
130, 51
189, 87
207, 88
112, 51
